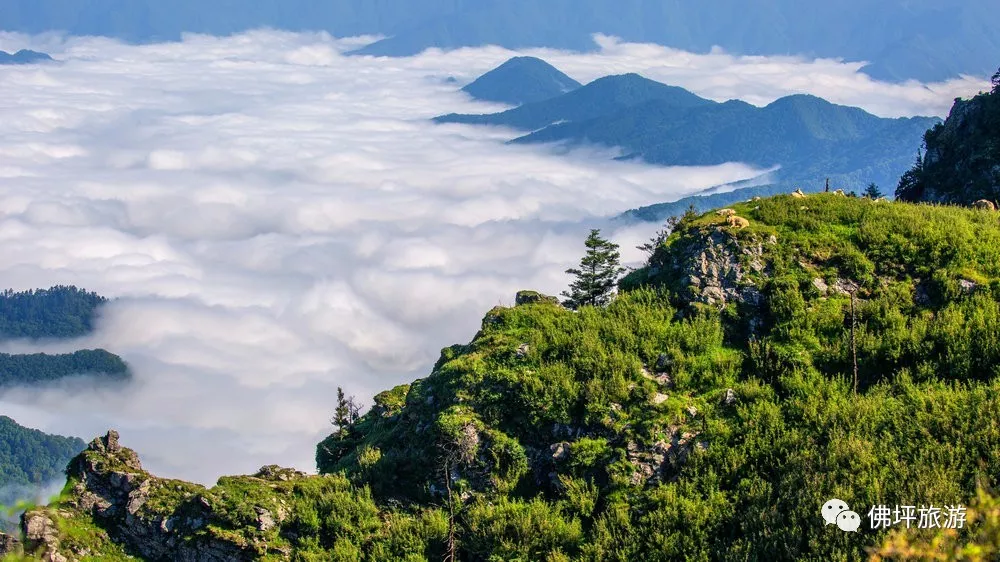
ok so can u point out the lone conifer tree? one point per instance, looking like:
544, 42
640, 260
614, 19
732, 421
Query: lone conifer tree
348, 411
599, 271
872, 191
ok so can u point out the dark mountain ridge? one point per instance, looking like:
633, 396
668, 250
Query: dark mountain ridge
807, 137
600, 97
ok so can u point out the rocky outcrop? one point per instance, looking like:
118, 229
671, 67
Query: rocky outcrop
112, 489
718, 268
962, 162
9, 545
530, 297
660, 461
41, 537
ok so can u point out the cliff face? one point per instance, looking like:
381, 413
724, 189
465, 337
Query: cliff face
962, 162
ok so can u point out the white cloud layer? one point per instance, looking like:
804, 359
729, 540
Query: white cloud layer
275, 219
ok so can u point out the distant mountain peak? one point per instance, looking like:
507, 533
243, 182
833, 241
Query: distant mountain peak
800, 99
521, 80
603, 96
24, 56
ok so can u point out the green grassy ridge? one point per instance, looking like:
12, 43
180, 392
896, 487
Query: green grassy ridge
552, 420
870, 242
788, 443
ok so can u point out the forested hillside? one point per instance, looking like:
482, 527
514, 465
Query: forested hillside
58, 312
30, 459
38, 368
28, 456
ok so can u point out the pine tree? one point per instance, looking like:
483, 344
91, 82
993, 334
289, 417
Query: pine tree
598, 273
911, 184
342, 415
872, 191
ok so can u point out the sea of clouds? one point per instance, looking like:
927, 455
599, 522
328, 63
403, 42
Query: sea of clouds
274, 219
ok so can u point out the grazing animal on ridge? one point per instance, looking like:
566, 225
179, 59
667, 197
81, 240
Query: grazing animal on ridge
737, 222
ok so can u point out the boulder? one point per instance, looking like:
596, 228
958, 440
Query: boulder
985, 205
820, 285
531, 297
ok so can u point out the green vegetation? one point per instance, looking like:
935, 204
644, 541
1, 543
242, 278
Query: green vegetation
29, 461
664, 427
982, 544
962, 161
706, 413
59, 312
872, 191
43, 368
28, 456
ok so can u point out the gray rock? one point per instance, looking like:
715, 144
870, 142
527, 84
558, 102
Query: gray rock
265, 521
845, 287
531, 297
713, 295
820, 285
559, 450
716, 268
729, 398
9, 545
